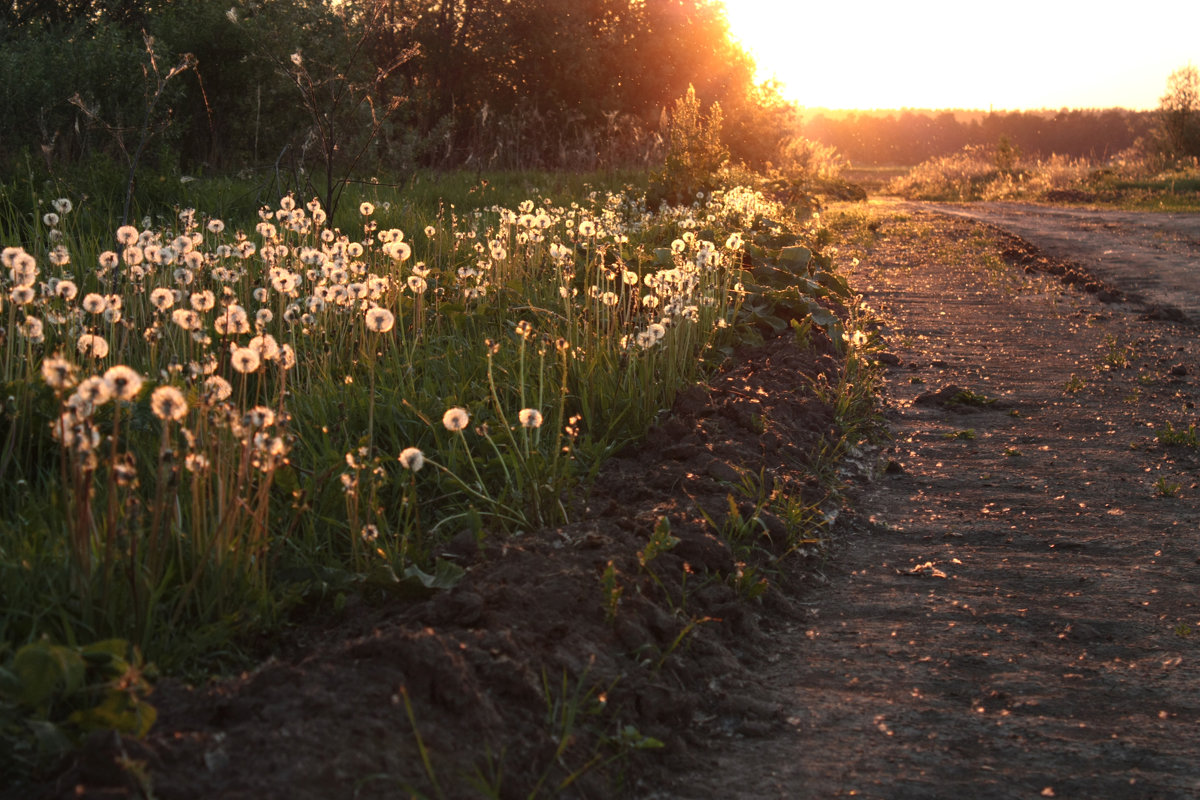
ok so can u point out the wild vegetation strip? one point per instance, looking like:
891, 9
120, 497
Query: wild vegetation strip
213, 429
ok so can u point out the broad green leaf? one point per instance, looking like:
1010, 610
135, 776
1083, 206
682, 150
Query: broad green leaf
44, 669
795, 258
416, 583
835, 283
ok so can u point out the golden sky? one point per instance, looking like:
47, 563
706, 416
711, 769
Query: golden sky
1017, 54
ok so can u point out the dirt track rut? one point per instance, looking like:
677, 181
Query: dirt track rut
1153, 257
1018, 614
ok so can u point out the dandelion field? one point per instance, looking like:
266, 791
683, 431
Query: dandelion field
211, 422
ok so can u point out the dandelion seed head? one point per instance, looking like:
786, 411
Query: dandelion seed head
67, 290
162, 298
127, 235
32, 329
90, 344
23, 268
380, 320
456, 419
217, 389
58, 373
168, 404
93, 303
203, 301
245, 360
265, 345
94, 390
530, 418
412, 459
125, 382
259, 417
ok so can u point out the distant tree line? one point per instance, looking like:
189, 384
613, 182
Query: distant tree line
394, 84
909, 137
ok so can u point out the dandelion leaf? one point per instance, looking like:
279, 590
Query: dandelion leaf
834, 283
415, 583
44, 669
795, 258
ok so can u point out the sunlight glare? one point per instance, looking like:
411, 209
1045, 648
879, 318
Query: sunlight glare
939, 54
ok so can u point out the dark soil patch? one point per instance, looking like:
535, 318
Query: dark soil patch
555, 659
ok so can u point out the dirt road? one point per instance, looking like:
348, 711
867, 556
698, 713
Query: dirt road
1019, 612
1153, 258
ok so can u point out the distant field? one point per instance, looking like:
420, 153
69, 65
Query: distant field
874, 179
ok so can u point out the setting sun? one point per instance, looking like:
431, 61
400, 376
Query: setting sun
937, 54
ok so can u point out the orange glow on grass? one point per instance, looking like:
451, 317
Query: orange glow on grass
1024, 54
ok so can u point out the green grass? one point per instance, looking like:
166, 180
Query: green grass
1178, 437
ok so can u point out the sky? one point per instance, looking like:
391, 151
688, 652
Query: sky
936, 54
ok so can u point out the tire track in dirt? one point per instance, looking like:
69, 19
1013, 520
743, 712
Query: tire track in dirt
1017, 613
1153, 257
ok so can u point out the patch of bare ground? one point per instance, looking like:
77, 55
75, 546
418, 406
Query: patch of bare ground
1017, 613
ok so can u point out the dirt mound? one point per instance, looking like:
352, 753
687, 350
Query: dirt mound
1017, 251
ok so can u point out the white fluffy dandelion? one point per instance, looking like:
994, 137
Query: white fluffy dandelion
89, 344
530, 418
380, 320
412, 459
168, 404
217, 388
125, 382
162, 298
58, 373
245, 360
456, 419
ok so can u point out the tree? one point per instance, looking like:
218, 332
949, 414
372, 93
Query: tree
1179, 113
